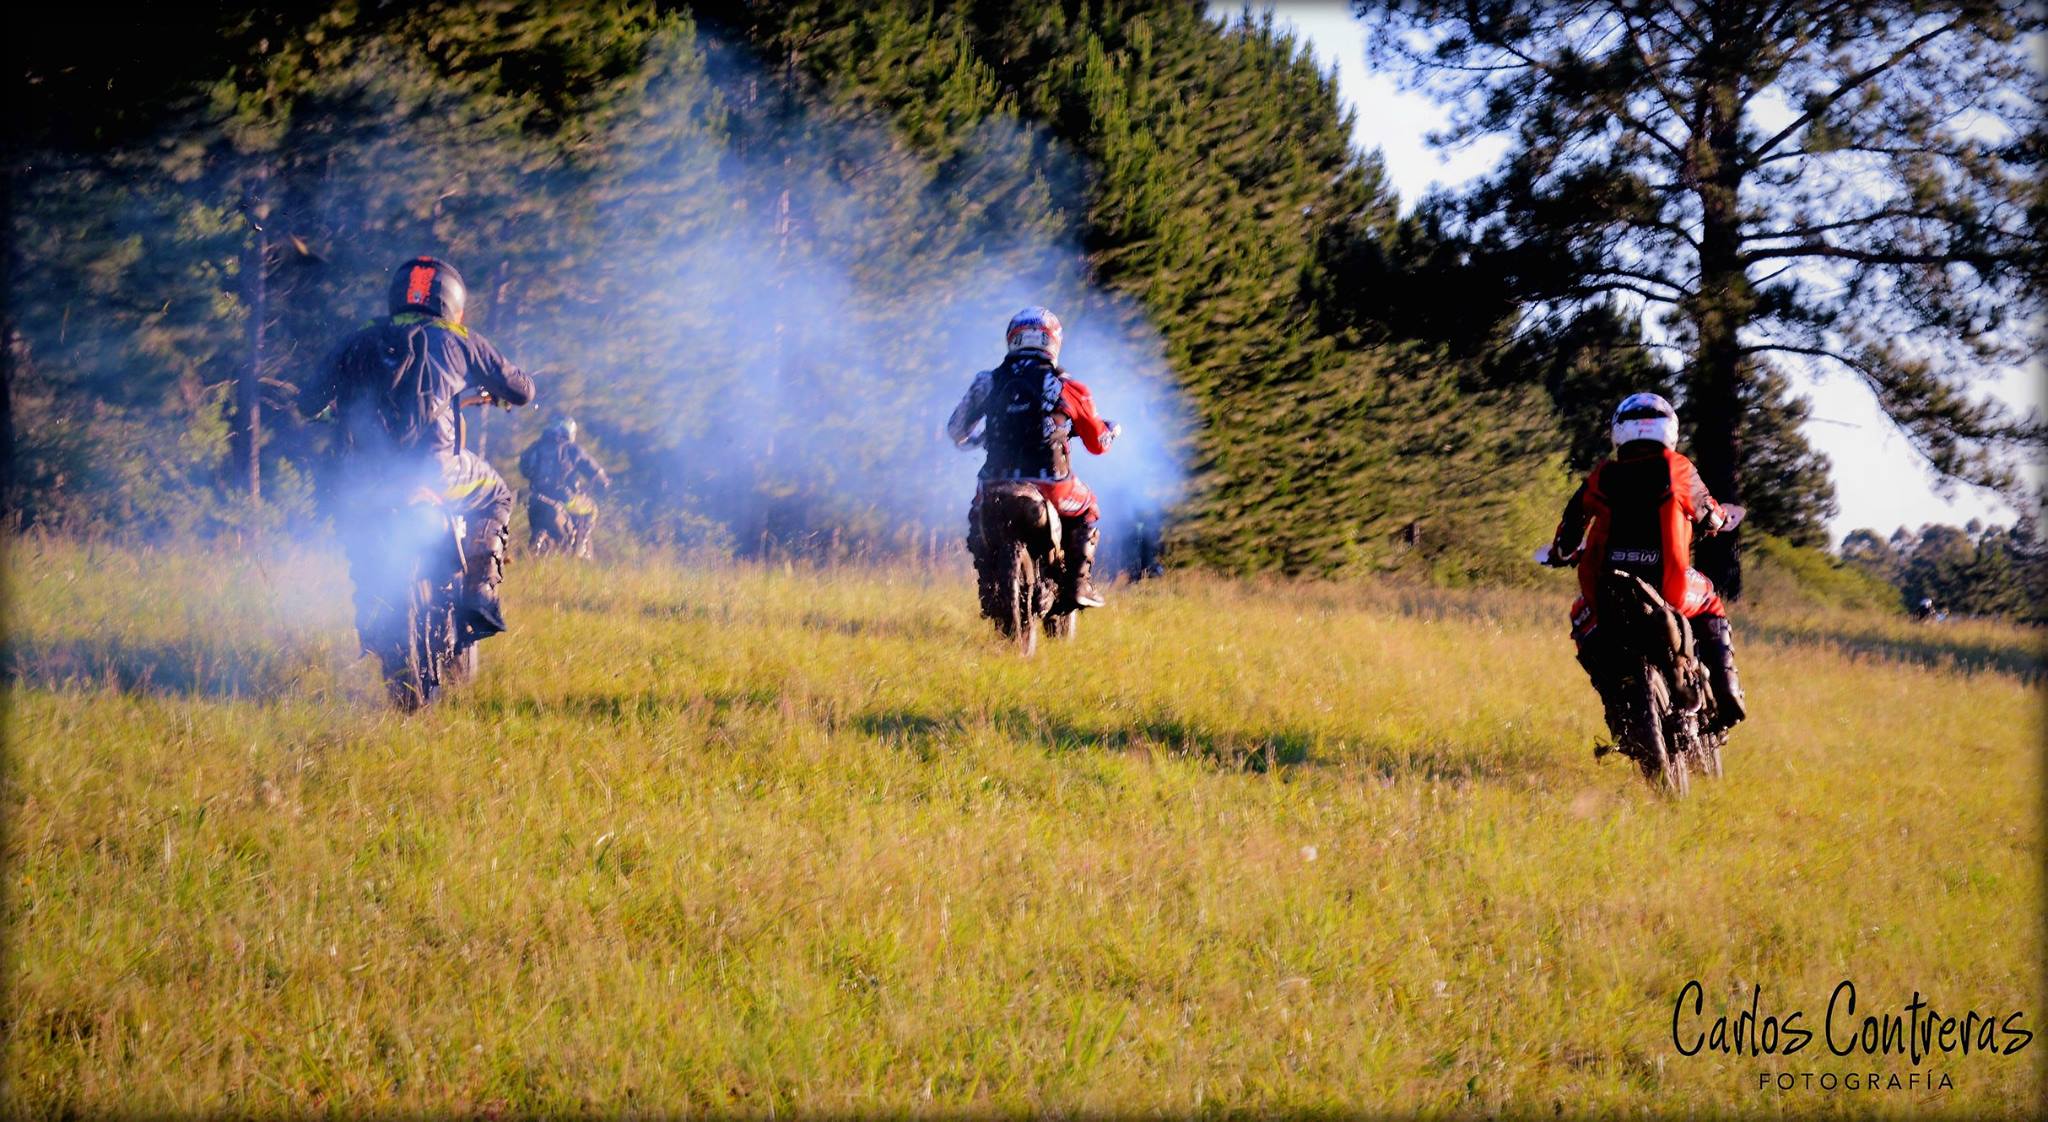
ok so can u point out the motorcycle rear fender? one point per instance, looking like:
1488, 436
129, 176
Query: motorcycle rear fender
1647, 618
1017, 511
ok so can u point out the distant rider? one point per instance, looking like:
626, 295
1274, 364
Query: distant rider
1030, 409
558, 511
1637, 512
395, 386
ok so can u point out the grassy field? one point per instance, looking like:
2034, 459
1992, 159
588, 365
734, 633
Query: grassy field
746, 839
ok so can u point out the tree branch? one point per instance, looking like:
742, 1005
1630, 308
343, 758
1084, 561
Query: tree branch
1848, 85
1870, 149
1843, 224
1620, 112
1648, 278
1671, 99
1872, 256
1591, 288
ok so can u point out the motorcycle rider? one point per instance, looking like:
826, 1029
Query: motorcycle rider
395, 386
556, 468
1029, 408
1637, 512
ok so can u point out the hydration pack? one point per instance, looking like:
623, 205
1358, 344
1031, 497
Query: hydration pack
1025, 434
399, 395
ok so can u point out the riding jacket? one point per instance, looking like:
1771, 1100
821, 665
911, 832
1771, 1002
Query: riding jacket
1029, 409
1636, 513
556, 468
395, 382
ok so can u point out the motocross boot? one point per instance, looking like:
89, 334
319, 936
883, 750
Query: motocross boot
1717, 651
1080, 538
484, 555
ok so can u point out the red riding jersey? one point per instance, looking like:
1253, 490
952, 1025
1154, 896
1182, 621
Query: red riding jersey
1636, 513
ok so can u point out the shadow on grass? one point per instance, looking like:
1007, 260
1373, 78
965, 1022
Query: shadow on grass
626, 708
1258, 753
1940, 652
216, 669
871, 627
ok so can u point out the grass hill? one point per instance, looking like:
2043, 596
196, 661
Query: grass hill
783, 839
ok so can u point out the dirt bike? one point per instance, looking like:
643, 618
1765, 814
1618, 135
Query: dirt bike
410, 622
562, 525
1666, 698
413, 592
1019, 583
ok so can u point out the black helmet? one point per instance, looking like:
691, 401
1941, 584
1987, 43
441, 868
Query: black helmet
430, 285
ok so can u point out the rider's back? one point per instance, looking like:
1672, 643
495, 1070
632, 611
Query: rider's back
1026, 433
394, 383
555, 467
1645, 501
1635, 491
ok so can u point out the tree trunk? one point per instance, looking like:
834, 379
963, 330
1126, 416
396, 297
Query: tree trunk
1724, 303
248, 430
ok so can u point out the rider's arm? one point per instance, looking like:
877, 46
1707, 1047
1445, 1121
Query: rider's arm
960, 426
1698, 502
320, 391
493, 373
587, 464
1079, 406
1571, 529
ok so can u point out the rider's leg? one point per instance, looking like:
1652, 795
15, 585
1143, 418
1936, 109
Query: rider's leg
1078, 537
474, 489
539, 517
1715, 649
1596, 658
586, 527
974, 543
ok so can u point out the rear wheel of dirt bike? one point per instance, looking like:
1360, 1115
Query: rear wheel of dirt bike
1678, 774
988, 587
1710, 755
1646, 727
1023, 599
462, 665
409, 667
1676, 778
1062, 625
445, 643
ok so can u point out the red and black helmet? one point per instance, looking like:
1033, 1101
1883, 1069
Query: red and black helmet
429, 285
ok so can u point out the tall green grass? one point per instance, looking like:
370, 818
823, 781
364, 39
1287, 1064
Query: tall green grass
784, 840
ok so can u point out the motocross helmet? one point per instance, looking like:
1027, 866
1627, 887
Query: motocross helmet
1035, 329
564, 428
1645, 416
429, 285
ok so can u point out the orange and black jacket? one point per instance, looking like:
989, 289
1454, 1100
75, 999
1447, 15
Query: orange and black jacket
1636, 513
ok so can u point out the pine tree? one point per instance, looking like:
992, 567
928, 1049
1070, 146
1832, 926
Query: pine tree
1875, 227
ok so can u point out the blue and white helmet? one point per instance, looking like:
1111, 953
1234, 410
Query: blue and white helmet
1645, 416
1035, 329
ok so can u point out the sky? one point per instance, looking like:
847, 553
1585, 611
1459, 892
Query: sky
1880, 481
